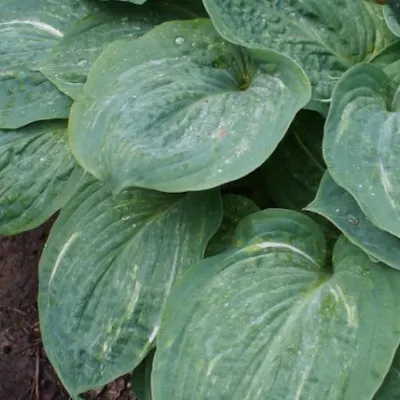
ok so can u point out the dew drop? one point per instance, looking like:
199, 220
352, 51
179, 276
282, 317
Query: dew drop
179, 40
352, 219
82, 63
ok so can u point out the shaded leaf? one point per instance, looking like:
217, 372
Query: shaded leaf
339, 207
141, 377
293, 172
390, 389
181, 109
392, 18
267, 320
139, 2
235, 209
389, 61
38, 175
107, 269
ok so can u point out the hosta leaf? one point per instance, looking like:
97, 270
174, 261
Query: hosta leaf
389, 61
139, 2
392, 19
235, 209
141, 376
362, 141
195, 5
181, 109
135, 1
390, 389
266, 320
69, 63
28, 30
293, 172
106, 271
325, 38
38, 175
339, 207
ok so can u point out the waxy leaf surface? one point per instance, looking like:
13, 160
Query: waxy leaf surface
28, 30
338, 206
69, 63
180, 109
324, 37
362, 143
392, 20
267, 320
38, 174
389, 61
107, 269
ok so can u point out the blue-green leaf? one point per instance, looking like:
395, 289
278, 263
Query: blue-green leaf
38, 174
268, 319
339, 207
362, 143
181, 109
28, 30
69, 63
324, 37
106, 271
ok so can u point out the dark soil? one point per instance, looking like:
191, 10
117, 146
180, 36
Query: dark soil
25, 372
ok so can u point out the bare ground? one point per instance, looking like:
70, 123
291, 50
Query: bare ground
25, 372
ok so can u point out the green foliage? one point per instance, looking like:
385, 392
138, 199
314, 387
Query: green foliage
228, 180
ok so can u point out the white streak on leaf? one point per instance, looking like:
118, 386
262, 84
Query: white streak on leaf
389, 127
61, 255
134, 299
350, 310
277, 245
105, 347
37, 24
304, 377
335, 294
173, 272
213, 364
154, 333
387, 186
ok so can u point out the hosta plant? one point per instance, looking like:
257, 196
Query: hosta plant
227, 177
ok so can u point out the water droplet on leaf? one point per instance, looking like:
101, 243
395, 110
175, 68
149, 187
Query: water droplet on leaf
179, 40
82, 63
352, 219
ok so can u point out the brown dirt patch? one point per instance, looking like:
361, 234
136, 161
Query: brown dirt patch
25, 372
